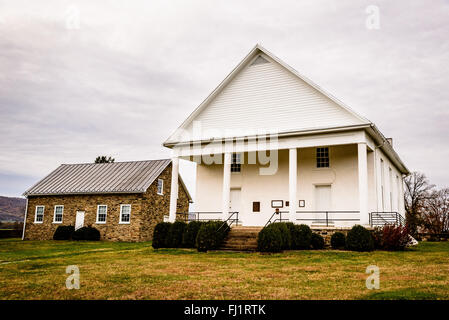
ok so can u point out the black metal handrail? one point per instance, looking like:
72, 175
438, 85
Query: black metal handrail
229, 219
275, 220
381, 218
326, 219
197, 215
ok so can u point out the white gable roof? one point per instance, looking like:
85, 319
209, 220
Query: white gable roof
264, 93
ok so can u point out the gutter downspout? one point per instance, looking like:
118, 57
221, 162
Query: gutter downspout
25, 219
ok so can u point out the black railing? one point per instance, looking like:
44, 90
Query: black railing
326, 219
233, 218
276, 218
378, 219
200, 216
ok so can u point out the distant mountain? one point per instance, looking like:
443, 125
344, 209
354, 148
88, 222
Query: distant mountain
12, 209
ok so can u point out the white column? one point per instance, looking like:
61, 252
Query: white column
292, 182
174, 189
363, 183
226, 184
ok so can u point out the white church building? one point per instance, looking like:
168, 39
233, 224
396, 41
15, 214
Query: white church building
270, 145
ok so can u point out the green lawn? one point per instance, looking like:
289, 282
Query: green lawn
36, 270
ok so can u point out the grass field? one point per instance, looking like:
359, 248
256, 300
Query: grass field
36, 270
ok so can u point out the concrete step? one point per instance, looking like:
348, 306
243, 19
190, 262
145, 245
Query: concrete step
241, 239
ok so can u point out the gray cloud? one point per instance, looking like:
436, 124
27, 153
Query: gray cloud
123, 81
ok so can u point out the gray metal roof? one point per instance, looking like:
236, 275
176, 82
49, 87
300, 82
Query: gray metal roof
117, 177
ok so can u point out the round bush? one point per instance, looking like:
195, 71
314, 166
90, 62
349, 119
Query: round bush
285, 234
302, 237
317, 241
210, 236
63, 233
190, 233
377, 235
338, 241
86, 233
269, 240
359, 239
160, 234
174, 236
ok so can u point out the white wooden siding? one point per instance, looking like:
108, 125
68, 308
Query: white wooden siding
267, 96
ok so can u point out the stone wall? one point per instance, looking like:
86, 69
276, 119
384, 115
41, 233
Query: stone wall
146, 210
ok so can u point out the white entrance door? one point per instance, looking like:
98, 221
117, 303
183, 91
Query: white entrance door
235, 202
322, 201
79, 222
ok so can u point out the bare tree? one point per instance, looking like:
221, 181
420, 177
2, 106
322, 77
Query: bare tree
435, 217
417, 191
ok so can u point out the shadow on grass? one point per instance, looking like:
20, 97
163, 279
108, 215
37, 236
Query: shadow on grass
401, 294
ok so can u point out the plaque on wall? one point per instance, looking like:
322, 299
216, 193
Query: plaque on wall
302, 203
277, 203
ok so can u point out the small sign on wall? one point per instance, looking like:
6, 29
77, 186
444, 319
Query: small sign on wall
277, 203
302, 203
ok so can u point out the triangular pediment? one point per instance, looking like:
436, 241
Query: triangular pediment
263, 93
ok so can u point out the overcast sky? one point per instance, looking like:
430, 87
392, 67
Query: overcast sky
84, 78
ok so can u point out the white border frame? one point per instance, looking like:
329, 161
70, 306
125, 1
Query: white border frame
98, 210
121, 208
54, 214
157, 191
35, 214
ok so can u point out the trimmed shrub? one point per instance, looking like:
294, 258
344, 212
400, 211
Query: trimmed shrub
160, 234
377, 234
86, 233
209, 238
359, 239
338, 240
63, 233
317, 241
302, 237
395, 237
190, 233
284, 232
269, 240
174, 236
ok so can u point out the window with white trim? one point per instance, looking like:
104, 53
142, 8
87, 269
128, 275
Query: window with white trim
125, 213
322, 157
59, 211
160, 186
39, 214
236, 164
102, 211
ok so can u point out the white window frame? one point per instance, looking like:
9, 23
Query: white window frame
162, 187
35, 214
62, 214
98, 214
121, 210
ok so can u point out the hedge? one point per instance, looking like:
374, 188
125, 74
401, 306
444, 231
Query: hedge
317, 241
269, 240
338, 240
302, 238
190, 233
174, 236
284, 232
209, 236
359, 239
86, 233
160, 234
63, 233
